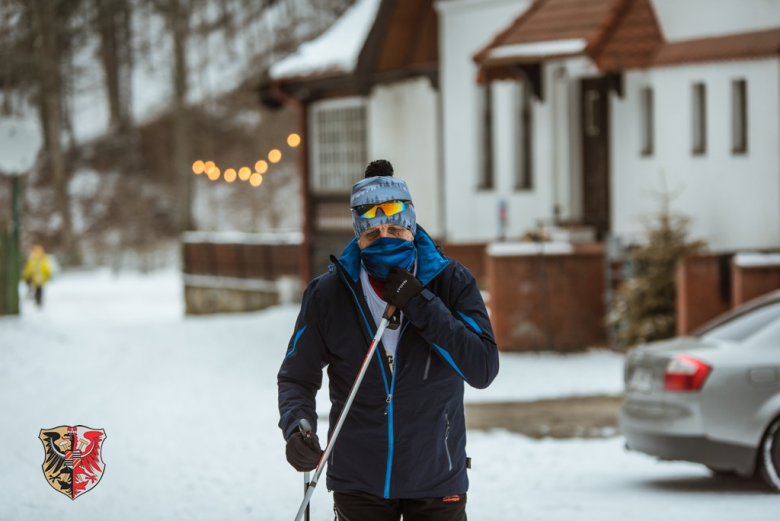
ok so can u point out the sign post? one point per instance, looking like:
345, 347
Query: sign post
19, 147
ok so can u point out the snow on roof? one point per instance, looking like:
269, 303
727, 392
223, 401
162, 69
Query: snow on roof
334, 51
540, 49
501, 249
755, 260
278, 237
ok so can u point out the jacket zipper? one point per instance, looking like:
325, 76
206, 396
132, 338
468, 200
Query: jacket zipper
391, 440
389, 389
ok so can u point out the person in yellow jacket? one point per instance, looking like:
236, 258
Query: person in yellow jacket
37, 272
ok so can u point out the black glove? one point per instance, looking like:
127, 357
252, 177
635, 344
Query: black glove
303, 451
401, 287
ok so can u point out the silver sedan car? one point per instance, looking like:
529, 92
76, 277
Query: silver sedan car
712, 397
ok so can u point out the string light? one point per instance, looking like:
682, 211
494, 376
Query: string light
293, 140
245, 173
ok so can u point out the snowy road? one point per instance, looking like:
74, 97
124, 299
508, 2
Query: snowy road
189, 408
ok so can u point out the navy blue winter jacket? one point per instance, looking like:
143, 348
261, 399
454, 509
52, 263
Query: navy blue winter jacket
405, 436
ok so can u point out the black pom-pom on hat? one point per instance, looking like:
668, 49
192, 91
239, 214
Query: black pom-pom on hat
379, 168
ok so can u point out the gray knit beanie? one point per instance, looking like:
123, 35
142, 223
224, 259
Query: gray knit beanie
379, 186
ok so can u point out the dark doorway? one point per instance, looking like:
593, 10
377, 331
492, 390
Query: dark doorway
594, 104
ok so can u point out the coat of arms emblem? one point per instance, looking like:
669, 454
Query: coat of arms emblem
73, 463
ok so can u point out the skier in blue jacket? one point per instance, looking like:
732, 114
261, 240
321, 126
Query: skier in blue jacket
402, 449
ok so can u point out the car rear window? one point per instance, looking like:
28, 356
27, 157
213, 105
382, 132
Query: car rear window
741, 327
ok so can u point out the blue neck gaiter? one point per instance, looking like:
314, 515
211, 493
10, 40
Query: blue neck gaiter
386, 252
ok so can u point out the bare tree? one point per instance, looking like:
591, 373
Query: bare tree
48, 23
112, 23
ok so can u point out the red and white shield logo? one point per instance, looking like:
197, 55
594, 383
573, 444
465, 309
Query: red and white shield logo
74, 462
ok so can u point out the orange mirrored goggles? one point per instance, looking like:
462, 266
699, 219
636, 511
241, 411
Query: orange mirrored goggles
368, 211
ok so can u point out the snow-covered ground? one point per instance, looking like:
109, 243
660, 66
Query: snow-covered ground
189, 408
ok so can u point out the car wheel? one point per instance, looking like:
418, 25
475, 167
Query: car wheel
769, 456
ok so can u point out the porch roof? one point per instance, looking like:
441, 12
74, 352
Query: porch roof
615, 34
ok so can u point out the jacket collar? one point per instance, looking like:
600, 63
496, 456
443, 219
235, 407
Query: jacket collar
430, 261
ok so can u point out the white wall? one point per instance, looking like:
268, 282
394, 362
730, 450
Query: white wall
403, 127
734, 200
465, 26
687, 19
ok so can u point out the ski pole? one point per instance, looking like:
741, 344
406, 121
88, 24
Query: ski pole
389, 310
305, 428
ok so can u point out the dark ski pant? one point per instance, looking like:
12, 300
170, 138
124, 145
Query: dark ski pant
360, 506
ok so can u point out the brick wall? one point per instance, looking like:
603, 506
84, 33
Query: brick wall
547, 302
703, 290
750, 282
709, 285
471, 255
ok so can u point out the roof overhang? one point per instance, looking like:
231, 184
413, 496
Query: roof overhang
613, 34
402, 43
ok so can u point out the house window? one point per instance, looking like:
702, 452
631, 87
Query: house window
339, 152
699, 119
739, 136
524, 180
646, 100
486, 168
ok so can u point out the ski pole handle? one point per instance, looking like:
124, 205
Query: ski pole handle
305, 427
389, 311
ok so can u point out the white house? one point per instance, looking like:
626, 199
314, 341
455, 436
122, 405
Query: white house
367, 89
583, 111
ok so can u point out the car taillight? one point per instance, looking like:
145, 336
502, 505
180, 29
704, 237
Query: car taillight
685, 373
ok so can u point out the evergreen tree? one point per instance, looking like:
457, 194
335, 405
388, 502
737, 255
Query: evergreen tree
645, 307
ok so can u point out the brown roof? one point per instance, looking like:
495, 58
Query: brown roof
411, 38
614, 33
633, 39
617, 35
759, 44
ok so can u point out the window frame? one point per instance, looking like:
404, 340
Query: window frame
647, 120
524, 170
699, 117
349, 157
486, 164
739, 117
